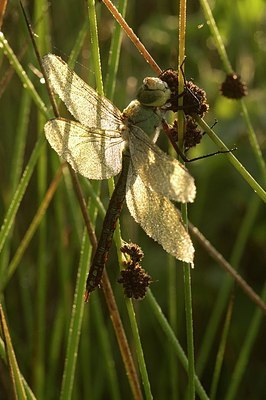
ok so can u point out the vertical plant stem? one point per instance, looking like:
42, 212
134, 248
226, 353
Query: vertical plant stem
28, 391
104, 337
172, 311
95, 48
221, 351
189, 329
122, 340
174, 342
216, 36
31, 230
139, 351
16, 169
41, 332
75, 323
254, 142
186, 267
16, 378
114, 54
21, 188
242, 362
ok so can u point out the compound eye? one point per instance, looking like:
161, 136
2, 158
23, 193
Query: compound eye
154, 92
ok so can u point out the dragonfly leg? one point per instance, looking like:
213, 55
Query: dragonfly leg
168, 130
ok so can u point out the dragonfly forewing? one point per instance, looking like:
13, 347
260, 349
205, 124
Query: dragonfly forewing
86, 105
159, 218
94, 153
161, 172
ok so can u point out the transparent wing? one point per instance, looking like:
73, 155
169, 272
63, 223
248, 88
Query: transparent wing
159, 218
161, 172
94, 153
87, 106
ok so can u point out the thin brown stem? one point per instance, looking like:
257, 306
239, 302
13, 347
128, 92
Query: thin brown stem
121, 338
227, 267
132, 36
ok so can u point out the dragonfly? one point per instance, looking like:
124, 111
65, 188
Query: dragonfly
103, 142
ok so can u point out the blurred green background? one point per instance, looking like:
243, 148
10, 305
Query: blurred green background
224, 200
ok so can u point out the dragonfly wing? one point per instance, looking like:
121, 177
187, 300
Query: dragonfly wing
86, 105
161, 172
94, 153
159, 218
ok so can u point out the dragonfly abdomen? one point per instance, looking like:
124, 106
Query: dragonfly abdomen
112, 214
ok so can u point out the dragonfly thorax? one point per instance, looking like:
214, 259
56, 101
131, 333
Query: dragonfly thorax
146, 118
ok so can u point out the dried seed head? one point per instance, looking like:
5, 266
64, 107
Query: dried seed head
135, 281
193, 135
134, 278
194, 98
233, 87
133, 251
171, 78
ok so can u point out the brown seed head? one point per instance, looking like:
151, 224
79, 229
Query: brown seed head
233, 87
135, 281
194, 98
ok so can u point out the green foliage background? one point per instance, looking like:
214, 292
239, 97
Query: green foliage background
38, 298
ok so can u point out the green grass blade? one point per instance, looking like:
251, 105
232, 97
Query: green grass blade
95, 48
217, 37
221, 351
27, 84
76, 320
186, 267
18, 387
174, 342
139, 351
30, 231
114, 53
242, 362
21, 188
28, 391
222, 297
254, 142
17, 165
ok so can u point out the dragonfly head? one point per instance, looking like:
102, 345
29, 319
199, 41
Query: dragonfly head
153, 92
